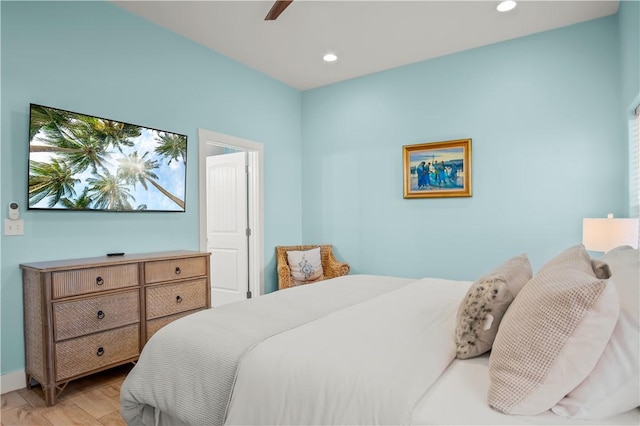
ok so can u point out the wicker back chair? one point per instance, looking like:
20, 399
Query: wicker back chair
330, 266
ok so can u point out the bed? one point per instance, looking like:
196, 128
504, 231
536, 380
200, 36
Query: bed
364, 349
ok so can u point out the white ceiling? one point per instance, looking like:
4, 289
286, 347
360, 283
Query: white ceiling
368, 36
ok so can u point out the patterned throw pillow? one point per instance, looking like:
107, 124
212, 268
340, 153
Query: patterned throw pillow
552, 335
306, 266
486, 302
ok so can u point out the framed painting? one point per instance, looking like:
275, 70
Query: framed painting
437, 169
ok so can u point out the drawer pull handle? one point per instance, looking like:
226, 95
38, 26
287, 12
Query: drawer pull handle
178, 299
99, 280
100, 351
100, 314
178, 271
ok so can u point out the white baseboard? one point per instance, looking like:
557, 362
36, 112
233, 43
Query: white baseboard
12, 381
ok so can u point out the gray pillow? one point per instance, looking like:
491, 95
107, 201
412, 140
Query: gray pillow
487, 300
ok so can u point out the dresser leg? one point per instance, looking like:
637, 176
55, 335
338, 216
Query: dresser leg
31, 381
49, 395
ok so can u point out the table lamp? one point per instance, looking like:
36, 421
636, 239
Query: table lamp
604, 234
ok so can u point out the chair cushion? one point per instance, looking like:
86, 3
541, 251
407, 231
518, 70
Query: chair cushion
306, 266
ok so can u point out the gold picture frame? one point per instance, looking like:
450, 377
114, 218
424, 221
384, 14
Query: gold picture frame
437, 169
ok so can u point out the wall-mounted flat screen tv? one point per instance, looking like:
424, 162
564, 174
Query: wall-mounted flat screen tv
83, 162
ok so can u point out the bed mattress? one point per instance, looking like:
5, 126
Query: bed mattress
459, 397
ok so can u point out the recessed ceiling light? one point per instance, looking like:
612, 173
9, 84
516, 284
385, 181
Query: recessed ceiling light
506, 6
330, 57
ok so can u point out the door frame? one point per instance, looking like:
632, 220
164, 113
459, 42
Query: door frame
255, 159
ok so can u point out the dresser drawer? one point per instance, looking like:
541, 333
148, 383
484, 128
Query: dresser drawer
158, 323
83, 354
96, 313
81, 281
173, 269
169, 299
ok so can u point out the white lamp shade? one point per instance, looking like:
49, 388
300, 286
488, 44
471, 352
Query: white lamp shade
605, 234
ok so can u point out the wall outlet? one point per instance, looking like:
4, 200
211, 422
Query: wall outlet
13, 227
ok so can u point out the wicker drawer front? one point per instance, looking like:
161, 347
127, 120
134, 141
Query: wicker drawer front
174, 269
98, 313
81, 281
157, 324
171, 299
81, 355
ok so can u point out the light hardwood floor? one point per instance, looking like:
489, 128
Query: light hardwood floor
91, 401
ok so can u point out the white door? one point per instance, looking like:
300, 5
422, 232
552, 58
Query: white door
226, 189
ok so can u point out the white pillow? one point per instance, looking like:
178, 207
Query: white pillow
552, 335
306, 266
614, 384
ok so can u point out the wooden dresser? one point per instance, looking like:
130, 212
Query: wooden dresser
82, 316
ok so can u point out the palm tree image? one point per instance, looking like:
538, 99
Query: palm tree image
108, 192
80, 203
82, 162
134, 169
50, 180
172, 146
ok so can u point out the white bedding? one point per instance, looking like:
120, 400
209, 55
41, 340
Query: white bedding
368, 350
459, 397
368, 364
186, 372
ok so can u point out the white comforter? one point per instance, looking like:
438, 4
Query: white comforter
352, 350
186, 372
369, 363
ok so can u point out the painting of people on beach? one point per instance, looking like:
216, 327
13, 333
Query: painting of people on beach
437, 169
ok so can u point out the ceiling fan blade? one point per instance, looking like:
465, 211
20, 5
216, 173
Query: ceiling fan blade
278, 7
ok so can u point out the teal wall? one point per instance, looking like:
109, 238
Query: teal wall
548, 149
544, 113
96, 58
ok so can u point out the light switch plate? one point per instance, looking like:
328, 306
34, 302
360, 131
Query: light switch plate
13, 227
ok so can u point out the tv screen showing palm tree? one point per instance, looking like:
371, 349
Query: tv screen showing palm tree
83, 162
